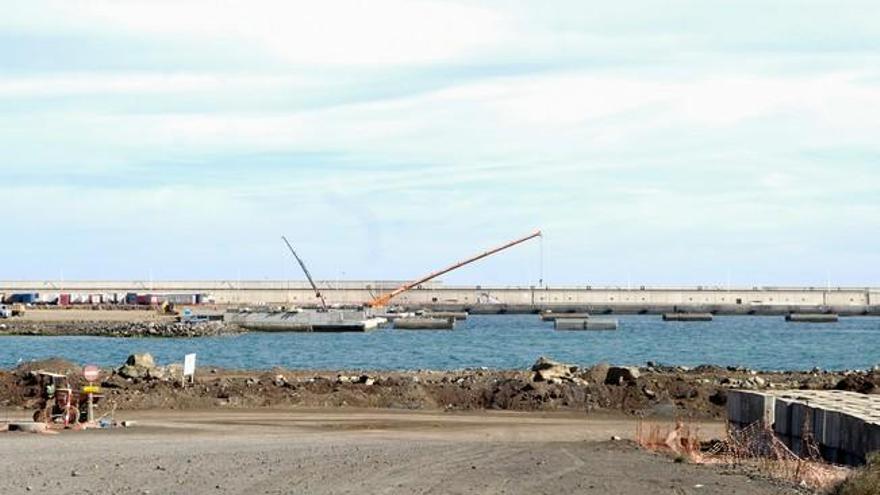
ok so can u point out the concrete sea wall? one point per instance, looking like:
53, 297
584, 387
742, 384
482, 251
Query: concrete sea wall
494, 299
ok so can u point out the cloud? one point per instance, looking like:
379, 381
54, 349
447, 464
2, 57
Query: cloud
346, 32
127, 83
668, 140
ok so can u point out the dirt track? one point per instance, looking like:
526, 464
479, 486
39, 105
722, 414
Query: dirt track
340, 451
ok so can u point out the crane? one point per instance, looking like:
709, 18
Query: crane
384, 299
308, 275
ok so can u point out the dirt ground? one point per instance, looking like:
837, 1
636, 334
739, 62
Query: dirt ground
666, 392
321, 451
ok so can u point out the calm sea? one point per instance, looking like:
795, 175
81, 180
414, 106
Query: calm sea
500, 342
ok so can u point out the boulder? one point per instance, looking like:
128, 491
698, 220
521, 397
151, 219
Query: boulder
174, 371
619, 375
129, 371
863, 384
141, 360
599, 372
156, 373
719, 398
547, 370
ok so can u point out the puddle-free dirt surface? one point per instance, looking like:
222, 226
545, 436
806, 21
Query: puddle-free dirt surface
324, 451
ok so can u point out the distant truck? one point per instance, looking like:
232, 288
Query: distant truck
190, 317
7, 311
25, 298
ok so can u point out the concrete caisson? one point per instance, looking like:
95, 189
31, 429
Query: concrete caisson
687, 316
812, 318
586, 324
424, 323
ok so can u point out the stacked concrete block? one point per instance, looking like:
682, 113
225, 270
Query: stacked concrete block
844, 425
745, 408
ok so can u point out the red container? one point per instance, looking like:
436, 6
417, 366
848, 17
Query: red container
64, 299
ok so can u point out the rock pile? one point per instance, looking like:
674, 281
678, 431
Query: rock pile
143, 367
123, 329
620, 375
701, 391
547, 370
364, 379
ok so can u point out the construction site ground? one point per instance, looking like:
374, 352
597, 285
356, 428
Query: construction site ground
341, 450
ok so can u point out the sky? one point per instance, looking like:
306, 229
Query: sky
653, 142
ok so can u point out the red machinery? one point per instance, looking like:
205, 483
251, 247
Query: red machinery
60, 402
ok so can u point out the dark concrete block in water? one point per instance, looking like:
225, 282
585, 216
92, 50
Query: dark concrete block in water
551, 316
812, 317
570, 324
601, 324
458, 315
687, 316
424, 323
586, 324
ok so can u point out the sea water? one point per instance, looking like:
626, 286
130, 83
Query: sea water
497, 342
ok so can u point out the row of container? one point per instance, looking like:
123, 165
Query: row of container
25, 298
130, 298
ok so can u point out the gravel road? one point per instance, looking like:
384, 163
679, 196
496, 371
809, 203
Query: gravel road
359, 451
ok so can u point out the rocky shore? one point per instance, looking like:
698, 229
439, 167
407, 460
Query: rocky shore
651, 390
118, 328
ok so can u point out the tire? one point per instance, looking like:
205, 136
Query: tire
40, 416
72, 415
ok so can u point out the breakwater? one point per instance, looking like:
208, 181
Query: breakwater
493, 299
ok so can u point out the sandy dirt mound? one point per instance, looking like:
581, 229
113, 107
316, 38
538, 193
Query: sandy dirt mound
647, 391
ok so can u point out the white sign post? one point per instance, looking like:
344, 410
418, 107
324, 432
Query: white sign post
189, 368
91, 373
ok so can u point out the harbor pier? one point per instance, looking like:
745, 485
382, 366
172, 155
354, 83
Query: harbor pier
478, 299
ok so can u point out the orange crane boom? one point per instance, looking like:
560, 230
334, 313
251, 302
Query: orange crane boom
384, 299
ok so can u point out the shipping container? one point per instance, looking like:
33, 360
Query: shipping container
64, 299
181, 299
24, 298
148, 300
